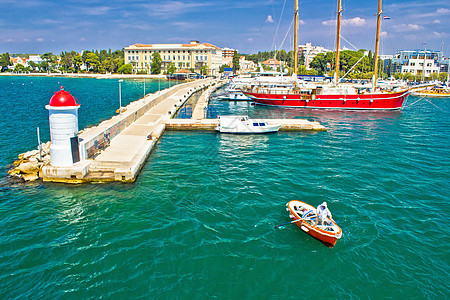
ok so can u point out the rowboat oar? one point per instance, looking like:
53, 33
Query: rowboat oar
293, 222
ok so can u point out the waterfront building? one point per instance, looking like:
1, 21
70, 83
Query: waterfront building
246, 65
227, 52
183, 56
309, 52
18, 60
273, 63
417, 62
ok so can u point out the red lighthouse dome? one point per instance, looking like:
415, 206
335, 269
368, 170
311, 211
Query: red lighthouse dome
62, 99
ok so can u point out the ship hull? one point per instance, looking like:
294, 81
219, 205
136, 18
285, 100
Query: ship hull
375, 101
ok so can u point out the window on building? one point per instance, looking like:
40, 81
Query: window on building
174, 57
178, 57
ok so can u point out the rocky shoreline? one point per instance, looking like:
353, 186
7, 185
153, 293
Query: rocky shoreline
28, 166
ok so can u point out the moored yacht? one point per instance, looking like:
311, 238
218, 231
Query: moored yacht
242, 124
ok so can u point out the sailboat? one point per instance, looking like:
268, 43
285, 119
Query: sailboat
336, 96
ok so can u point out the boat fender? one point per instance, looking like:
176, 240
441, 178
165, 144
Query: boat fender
306, 101
304, 228
284, 97
357, 100
371, 100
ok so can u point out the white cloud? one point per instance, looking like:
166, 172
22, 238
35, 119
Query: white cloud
97, 11
9, 40
301, 22
383, 34
405, 27
436, 22
39, 39
269, 19
440, 34
443, 11
170, 8
185, 25
355, 22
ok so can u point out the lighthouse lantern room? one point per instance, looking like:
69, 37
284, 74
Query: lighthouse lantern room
63, 117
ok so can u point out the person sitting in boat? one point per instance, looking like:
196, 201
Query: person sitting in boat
322, 212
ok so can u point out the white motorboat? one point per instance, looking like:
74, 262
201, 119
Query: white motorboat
242, 124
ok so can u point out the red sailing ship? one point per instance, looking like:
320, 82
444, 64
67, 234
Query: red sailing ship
376, 100
333, 96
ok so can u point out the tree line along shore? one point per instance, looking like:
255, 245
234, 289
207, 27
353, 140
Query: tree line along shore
113, 62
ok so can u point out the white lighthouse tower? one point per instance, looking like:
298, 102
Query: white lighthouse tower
63, 117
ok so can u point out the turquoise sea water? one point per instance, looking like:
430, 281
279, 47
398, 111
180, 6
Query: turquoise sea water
199, 221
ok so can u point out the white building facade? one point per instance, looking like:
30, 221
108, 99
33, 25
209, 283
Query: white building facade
417, 62
184, 56
309, 52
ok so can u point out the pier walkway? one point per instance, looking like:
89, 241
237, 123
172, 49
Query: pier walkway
117, 148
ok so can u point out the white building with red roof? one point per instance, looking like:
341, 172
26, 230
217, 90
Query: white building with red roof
184, 56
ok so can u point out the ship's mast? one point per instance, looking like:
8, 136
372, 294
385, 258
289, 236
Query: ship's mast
338, 39
295, 37
377, 43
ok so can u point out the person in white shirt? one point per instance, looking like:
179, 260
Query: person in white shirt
322, 212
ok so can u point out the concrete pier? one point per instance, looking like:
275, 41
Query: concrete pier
211, 124
117, 148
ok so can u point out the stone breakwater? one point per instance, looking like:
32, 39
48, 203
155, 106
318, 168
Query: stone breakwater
28, 166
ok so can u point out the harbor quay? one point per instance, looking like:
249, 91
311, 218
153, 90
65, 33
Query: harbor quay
117, 148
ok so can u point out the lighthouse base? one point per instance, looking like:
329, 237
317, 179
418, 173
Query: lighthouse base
72, 174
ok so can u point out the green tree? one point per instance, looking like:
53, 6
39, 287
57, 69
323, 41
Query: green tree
43, 66
442, 77
171, 69
156, 63
235, 62
204, 70
49, 61
4, 61
66, 60
108, 64
77, 62
222, 67
92, 61
125, 69
319, 63
33, 65
19, 68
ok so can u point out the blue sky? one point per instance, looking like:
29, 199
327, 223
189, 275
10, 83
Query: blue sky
38, 26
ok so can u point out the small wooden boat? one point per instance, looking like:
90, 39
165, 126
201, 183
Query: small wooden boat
328, 232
